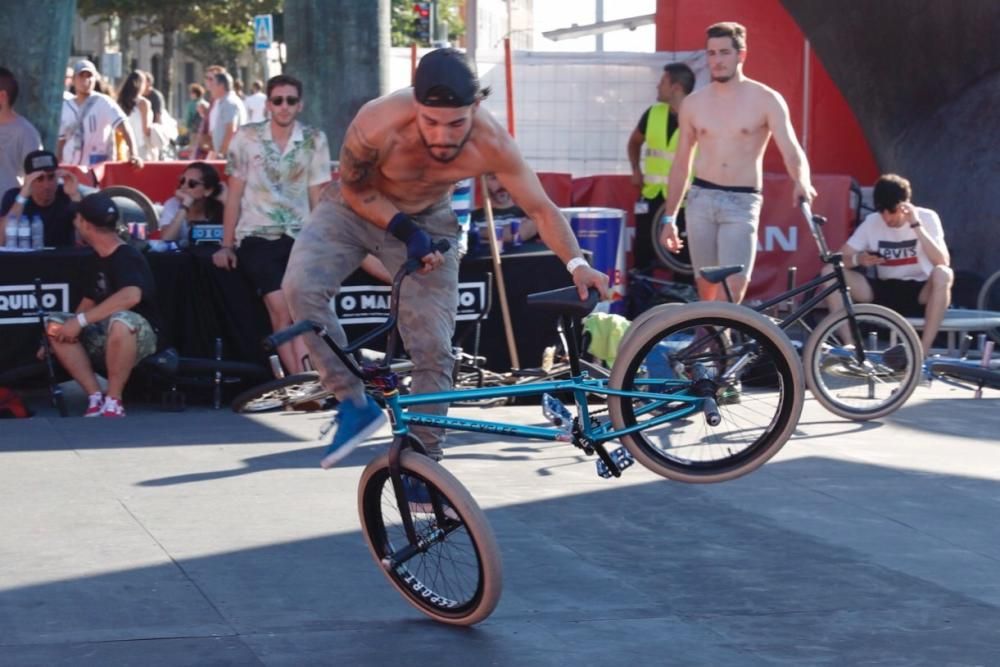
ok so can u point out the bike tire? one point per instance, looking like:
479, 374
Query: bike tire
966, 374
690, 450
989, 299
140, 199
469, 537
679, 263
281, 394
837, 383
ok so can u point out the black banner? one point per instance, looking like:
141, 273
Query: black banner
369, 304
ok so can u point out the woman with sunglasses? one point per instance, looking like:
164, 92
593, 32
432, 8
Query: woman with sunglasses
198, 200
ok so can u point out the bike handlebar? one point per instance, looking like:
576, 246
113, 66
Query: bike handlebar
815, 222
278, 338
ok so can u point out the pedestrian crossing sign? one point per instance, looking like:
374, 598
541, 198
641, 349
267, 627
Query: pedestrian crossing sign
263, 32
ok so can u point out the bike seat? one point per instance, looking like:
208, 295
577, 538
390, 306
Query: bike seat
716, 274
165, 361
564, 301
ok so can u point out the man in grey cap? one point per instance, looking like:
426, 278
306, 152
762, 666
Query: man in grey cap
401, 156
43, 195
90, 121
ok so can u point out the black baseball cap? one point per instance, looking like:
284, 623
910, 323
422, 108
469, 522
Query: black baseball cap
99, 210
40, 161
445, 78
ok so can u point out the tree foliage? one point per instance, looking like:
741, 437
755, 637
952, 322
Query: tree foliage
209, 31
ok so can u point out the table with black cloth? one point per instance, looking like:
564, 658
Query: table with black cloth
199, 302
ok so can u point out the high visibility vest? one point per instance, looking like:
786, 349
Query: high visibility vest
659, 152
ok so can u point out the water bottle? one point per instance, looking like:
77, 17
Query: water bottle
24, 233
11, 232
37, 232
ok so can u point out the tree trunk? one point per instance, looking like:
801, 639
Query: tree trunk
35, 47
125, 42
167, 87
340, 51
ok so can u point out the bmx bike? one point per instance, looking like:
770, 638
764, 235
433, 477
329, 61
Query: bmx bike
669, 401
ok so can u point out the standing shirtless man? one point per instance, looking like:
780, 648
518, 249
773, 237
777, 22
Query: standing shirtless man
401, 156
730, 121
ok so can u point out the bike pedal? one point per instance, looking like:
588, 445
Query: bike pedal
622, 458
556, 412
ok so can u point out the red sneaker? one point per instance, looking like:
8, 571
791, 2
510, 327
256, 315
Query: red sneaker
112, 408
95, 402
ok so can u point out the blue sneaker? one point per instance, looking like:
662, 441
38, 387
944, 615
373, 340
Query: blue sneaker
354, 426
420, 498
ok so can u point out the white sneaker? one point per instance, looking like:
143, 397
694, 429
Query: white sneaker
95, 402
112, 408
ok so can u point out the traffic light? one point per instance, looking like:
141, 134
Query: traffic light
422, 22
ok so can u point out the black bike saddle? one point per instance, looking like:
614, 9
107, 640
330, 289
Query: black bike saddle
564, 301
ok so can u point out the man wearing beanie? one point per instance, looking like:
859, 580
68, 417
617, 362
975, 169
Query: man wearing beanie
401, 156
116, 324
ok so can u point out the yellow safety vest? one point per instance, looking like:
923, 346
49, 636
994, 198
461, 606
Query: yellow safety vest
659, 152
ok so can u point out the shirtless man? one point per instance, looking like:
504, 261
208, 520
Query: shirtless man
730, 121
401, 156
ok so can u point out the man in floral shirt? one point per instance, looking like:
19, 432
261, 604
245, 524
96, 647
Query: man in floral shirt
277, 170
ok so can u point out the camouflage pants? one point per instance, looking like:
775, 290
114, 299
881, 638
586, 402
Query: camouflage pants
94, 336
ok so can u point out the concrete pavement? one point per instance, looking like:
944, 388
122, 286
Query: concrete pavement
207, 538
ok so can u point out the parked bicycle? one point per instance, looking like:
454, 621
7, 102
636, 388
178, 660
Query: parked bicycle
670, 401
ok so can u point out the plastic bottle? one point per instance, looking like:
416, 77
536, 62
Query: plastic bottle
10, 232
37, 232
24, 233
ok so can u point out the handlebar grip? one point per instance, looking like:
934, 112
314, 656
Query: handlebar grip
272, 342
442, 246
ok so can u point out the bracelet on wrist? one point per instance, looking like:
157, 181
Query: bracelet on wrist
20, 199
575, 263
668, 219
82, 319
914, 225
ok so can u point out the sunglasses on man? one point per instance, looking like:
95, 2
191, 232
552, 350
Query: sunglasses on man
290, 100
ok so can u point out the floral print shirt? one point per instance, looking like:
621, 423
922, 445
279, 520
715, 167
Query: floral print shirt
276, 198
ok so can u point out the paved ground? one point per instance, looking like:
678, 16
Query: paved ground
207, 538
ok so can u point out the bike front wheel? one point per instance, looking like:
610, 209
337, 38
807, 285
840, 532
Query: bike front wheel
456, 575
722, 351
878, 386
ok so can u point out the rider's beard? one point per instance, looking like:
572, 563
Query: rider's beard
457, 148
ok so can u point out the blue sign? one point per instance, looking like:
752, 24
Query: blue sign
263, 32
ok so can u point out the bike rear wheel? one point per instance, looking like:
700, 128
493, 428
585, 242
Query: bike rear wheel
891, 371
287, 393
458, 577
680, 262
752, 372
